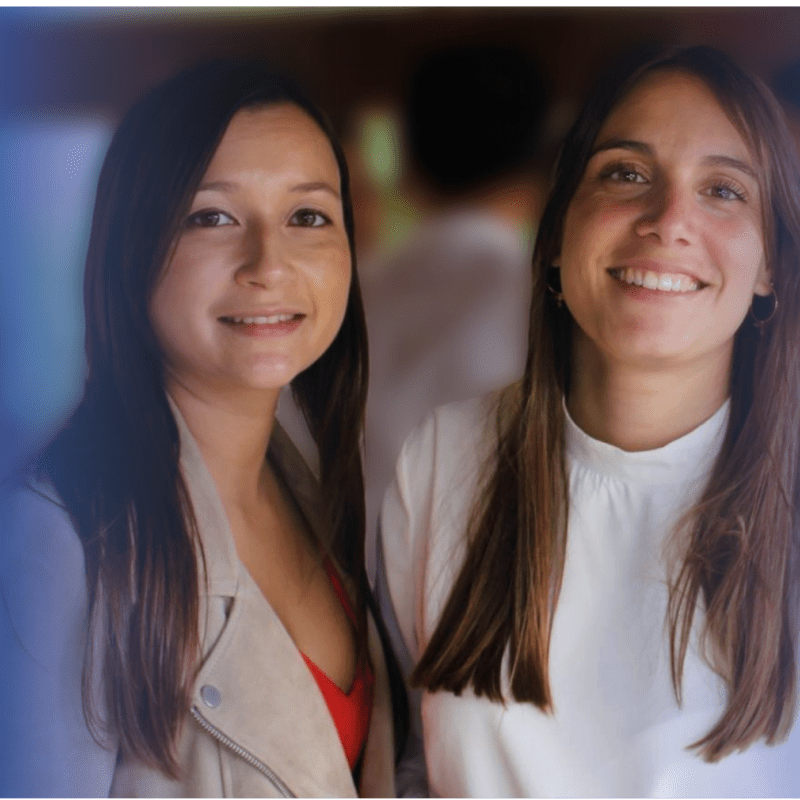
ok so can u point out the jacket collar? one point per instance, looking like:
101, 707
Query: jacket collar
221, 560
308, 755
253, 650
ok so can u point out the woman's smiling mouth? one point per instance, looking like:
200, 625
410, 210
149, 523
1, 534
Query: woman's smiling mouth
264, 325
272, 319
656, 281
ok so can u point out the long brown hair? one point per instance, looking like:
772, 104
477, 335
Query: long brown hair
116, 463
739, 551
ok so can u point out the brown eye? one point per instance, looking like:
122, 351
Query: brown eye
209, 218
625, 175
309, 218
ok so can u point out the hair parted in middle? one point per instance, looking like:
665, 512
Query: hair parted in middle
739, 546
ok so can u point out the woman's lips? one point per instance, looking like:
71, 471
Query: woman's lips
656, 281
264, 324
260, 319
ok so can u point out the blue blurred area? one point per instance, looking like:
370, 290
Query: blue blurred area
48, 174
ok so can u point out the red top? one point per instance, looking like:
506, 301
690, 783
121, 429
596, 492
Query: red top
351, 711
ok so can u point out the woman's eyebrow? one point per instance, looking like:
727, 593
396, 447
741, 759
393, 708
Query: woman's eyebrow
730, 161
212, 186
616, 143
644, 149
316, 186
310, 186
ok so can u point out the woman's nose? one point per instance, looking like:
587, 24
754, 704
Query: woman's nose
266, 261
668, 215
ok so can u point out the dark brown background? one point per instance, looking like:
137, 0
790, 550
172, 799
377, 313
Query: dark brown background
60, 68
102, 59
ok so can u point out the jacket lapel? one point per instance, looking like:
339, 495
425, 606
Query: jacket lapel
377, 775
263, 697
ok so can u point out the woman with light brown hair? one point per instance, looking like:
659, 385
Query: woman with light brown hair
595, 572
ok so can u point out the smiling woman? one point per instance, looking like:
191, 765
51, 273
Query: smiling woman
596, 570
257, 285
185, 609
663, 250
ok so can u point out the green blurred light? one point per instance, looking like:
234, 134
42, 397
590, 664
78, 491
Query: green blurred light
381, 148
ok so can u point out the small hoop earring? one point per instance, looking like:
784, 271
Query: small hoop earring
761, 322
557, 293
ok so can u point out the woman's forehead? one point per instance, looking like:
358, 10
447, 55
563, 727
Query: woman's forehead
669, 99
669, 106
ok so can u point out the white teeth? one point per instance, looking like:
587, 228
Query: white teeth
630, 275
274, 319
655, 280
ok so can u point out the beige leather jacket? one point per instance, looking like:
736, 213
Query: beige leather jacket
258, 726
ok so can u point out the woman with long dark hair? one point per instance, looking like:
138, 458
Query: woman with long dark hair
596, 571
185, 609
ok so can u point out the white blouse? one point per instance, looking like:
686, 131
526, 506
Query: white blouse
617, 729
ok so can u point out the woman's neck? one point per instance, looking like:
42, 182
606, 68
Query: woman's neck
232, 430
635, 408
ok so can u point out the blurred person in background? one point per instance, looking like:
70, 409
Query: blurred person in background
447, 310
184, 607
596, 571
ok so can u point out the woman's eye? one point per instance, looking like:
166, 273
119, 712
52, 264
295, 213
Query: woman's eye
726, 191
626, 175
308, 218
209, 218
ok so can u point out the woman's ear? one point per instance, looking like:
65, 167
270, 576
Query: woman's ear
763, 285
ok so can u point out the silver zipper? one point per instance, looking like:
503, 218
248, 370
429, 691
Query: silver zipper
242, 753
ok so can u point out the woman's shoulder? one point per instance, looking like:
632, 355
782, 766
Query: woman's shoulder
42, 567
454, 438
437, 478
45, 746
34, 518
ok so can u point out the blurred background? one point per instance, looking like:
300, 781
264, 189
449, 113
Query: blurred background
69, 74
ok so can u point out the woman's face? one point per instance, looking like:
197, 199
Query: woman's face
258, 283
663, 246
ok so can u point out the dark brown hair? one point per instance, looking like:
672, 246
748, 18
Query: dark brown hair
738, 546
116, 463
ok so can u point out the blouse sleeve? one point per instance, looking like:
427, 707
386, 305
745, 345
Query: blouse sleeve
422, 538
401, 556
46, 748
